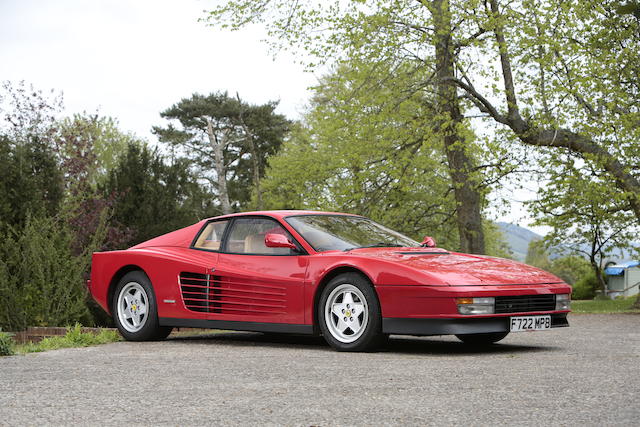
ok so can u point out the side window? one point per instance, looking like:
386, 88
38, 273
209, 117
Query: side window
247, 237
211, 236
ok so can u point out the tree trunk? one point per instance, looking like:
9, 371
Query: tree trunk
468, 199
256, 173
254, 155
256, 165
221, 170
597, 269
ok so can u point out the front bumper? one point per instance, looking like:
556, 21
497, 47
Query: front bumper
457, 326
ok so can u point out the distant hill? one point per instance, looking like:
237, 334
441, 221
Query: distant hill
517, 238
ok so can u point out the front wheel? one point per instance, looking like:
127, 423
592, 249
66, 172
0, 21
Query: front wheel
135, 311
349, 314
482, 339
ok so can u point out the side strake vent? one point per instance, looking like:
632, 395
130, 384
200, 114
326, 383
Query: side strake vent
217, 294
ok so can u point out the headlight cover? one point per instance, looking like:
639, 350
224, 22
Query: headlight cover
485, 305
563, 302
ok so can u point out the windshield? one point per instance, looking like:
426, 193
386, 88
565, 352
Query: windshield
343, 232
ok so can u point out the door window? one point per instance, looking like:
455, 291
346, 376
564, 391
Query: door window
247, 237
211, 236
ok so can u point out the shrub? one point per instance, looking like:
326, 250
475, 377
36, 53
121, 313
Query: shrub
41, 280
6, 344
585, 287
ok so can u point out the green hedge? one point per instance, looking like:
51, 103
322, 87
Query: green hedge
41, 280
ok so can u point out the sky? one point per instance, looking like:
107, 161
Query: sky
131, 59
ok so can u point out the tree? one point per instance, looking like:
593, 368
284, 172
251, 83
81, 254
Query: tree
154, 197
585, 217
228, 137
96, 137
572, 269
573, 66
396, 33
556, 58
31, 183
370, 154
85, 146
537, 255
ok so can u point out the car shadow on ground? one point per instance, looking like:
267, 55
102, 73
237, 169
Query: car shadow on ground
437, 345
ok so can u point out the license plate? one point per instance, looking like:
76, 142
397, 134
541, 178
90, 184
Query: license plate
530, 323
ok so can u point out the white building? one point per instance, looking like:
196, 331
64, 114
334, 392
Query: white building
623, 279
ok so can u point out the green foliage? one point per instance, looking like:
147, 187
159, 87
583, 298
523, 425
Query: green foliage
154, 197
73, 338
41, 279
95, 136
572, 269
585, 216
585, 287
30, 181
369, 154
495, 243
537, 255
6, 344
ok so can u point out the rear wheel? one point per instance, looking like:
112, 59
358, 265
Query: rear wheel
482, 339
349, 314
135, 310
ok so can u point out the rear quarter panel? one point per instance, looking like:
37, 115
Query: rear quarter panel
161, 265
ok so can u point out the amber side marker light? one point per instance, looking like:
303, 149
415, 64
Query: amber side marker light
484, 305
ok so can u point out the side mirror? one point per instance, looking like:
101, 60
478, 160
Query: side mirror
273, 240
428, 242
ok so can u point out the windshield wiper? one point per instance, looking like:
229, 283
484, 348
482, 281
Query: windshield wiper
376, 245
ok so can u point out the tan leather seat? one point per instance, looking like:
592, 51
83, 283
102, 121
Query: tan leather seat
254, 244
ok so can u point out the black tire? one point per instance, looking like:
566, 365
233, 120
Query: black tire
150, 330
369, 336
482, 339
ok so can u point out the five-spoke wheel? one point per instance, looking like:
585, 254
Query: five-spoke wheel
134, 309
346, 313
349, 314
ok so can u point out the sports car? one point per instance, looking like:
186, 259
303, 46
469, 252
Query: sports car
338, 275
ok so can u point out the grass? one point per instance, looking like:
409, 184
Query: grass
604, 306
73, 338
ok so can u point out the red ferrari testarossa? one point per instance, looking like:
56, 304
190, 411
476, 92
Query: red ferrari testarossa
340, 275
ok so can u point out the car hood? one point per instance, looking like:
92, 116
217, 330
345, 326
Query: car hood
455, 269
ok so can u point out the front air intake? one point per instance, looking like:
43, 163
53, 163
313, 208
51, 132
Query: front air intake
525, 303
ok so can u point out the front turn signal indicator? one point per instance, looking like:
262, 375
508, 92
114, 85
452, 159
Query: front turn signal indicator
484, 305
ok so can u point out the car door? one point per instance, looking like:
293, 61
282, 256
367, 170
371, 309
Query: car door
255, 283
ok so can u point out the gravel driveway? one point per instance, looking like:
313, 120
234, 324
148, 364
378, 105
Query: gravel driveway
588, 374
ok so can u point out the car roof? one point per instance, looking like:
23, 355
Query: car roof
281, 213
